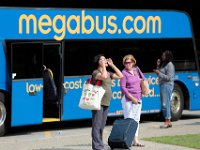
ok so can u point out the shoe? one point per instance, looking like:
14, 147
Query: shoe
138, 145
169, 125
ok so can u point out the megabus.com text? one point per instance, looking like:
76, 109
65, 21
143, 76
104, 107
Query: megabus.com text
61, 25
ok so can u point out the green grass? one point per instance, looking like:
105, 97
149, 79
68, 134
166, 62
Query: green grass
189, 140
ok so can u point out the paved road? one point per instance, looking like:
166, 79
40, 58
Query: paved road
78, 137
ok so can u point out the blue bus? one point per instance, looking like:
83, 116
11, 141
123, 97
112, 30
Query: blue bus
66, 40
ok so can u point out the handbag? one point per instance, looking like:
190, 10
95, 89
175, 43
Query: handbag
145, 87
91, 95
143, 84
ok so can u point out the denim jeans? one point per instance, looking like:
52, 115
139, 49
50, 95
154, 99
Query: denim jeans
165, 95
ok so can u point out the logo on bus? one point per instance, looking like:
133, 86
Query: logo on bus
31, 88
88, 24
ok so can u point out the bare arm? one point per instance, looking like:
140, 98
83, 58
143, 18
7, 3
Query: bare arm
118, 74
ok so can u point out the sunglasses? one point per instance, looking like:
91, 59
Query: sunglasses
128, 63
102, 59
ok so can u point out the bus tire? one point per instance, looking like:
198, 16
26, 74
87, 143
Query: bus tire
3, 115
177, 103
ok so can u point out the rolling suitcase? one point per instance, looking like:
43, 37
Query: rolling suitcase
122, 133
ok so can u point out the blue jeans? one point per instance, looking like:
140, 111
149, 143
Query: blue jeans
165, 95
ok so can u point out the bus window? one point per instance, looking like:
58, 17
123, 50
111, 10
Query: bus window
81, 53
198, 50
26, 61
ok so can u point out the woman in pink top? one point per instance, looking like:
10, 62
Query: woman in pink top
131, 92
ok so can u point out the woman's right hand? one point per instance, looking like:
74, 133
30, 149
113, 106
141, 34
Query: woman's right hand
135, 101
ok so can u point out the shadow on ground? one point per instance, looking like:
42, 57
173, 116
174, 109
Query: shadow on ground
84, 124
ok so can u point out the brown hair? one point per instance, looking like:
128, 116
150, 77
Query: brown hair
131, 57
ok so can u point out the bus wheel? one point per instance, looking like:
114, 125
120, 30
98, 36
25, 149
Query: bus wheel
2, 116
177, 103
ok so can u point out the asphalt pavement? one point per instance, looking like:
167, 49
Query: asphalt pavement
79, 137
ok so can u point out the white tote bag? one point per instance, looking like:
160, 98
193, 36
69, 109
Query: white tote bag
91, 96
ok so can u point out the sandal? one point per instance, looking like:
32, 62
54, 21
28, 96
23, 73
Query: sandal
138, 144
169, 125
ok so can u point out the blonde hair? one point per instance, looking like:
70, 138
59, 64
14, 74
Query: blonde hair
131, 57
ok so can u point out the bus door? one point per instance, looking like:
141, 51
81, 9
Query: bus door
27, 83
53, 87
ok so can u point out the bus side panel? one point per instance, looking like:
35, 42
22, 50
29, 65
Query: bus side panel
27, 102
152, 103
71, 110
191, 80
4, 76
